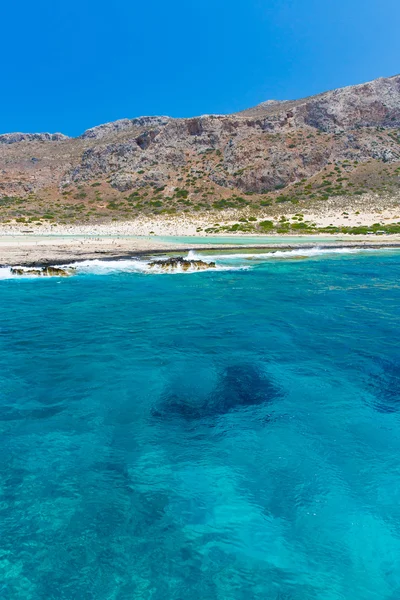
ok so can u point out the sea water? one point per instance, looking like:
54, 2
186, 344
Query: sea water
231, 434
239, 240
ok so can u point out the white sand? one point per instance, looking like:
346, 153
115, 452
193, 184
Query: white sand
185, 225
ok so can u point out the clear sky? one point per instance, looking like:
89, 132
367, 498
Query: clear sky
69, 65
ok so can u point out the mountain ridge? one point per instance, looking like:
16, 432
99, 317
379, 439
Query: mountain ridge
57, 136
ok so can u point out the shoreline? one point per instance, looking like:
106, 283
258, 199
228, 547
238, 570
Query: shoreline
58, 251
63, 244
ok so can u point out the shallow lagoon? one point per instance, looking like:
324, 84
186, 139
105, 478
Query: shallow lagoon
232, 240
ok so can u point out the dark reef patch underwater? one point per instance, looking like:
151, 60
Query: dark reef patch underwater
229, 434
239, 386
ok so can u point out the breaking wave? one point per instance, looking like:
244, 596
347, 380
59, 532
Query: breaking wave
294, 253
100, 267
5, 273
223, 262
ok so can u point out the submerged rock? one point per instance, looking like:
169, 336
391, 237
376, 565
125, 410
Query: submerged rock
43, 272
180, 263
239, 387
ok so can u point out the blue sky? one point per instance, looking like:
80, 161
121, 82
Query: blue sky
67, 66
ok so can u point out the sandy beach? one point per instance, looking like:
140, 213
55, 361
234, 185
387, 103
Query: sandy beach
195, 225
60, 244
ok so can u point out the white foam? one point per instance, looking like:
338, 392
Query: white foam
5, 273
193, 256
241, 262
107, 267
306, 252
104, 267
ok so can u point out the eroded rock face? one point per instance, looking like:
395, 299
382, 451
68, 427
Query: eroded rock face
123, 125
14, 138
181, 264
43, 272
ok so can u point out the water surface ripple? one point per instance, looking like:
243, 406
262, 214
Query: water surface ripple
226, 435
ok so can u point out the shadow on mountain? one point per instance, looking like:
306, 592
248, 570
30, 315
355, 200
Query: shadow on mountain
239, 387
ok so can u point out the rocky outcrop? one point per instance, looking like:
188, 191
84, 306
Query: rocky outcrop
123, 125
372, 104
42, 272
181, 264
13, 138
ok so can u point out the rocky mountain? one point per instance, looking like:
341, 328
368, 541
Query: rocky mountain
343, 143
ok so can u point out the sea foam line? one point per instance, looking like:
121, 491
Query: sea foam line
270, 255
135, 265
100, 267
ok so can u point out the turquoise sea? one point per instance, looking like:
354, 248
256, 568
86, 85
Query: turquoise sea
240, 240
232, 434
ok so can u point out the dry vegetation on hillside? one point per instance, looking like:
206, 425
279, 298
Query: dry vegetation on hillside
340, 148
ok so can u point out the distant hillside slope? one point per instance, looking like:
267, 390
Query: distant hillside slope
343, 143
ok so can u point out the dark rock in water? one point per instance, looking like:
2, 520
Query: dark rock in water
180, 263
56, 272
245, 385
18, 271
239, 387
176, 405
43, 272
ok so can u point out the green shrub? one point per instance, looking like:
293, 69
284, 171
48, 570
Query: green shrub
300, 226
180, 193
266, 224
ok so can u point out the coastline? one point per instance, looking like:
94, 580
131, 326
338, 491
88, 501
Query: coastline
57, 249
62, 244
